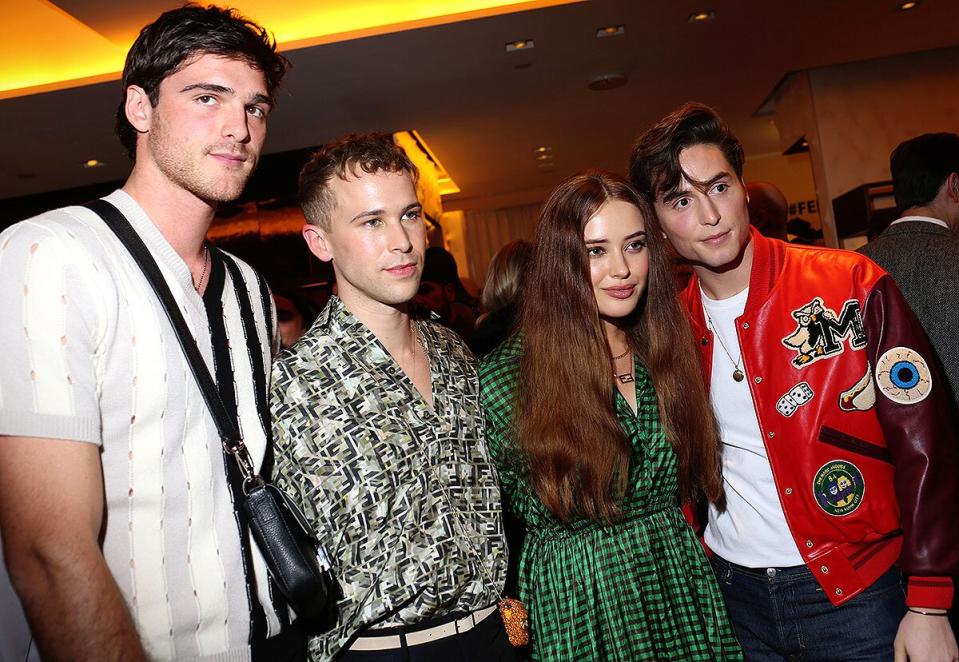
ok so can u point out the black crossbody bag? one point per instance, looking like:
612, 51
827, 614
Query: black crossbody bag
298, 564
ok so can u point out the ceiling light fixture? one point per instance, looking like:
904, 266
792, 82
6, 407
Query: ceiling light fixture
906, 6
611, 31
702, 16
607, 82
520, 45
93, 163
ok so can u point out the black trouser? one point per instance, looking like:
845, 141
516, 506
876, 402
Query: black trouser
487, 642
288, 646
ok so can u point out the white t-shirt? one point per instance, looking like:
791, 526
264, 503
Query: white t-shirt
90, 357
753, 530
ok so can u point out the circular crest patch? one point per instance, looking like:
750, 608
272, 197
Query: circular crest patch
903, 376
839, 487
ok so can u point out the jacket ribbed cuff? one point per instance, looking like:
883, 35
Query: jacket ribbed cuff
930, 592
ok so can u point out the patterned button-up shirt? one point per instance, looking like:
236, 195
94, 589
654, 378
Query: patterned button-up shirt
404, 497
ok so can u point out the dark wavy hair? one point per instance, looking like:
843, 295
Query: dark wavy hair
920, 166
177, 37
654, 166
577, 453
370, 152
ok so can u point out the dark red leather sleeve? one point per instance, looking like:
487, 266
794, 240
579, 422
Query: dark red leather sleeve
919, 425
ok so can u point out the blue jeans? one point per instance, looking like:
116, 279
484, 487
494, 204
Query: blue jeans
783, 614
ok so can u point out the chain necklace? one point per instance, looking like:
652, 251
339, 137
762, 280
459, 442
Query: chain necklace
420, 339
738, 375
623, 377
198, 284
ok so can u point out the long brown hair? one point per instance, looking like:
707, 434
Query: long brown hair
577, 453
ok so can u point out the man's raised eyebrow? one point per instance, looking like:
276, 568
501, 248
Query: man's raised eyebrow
261, 98
255, 98
209, 87
370, 212
699, 185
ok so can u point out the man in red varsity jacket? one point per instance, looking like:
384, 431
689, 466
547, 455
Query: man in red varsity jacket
840, 461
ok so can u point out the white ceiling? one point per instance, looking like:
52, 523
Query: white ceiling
482, 110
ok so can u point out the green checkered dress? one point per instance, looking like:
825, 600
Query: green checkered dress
640, 589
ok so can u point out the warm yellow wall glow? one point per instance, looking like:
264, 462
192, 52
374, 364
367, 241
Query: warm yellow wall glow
41, 44
45, 48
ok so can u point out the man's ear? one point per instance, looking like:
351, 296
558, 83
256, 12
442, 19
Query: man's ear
952, 187
138, 108
316, 241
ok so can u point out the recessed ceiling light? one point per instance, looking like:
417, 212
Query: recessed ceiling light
906, 6
93, 163
520, 45
544, 149
611, 31
607, 82
702, 16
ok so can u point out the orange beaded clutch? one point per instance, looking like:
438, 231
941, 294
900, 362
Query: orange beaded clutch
516, 620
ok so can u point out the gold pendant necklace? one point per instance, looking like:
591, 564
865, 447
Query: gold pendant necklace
738, 375
623, 377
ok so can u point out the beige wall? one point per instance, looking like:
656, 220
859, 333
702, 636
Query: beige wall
854, 114
793, 176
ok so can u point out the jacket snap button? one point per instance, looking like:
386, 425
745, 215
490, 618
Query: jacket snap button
745, 325
809, 543
759, 380
771, 434
789, 490
838, 591
705, 340
824, 570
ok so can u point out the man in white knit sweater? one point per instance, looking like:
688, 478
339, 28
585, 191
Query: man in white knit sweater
116, 502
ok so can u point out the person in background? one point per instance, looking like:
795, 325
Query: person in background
442, 292
379, 432
121, 521
839, 460
768, 209
504, 285
920, 249
599, 423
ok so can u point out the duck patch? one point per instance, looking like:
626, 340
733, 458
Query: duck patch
821, 333
903, 376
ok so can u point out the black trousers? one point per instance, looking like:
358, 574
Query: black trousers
487, 642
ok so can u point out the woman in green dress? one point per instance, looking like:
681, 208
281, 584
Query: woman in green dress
599, 423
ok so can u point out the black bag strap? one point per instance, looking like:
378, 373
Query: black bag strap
226, 426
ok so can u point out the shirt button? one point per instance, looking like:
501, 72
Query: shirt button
809, 543
824, 570
789, 490
705, 340
758, 380
838, 591
771, 434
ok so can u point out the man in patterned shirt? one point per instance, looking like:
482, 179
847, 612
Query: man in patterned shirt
379, 431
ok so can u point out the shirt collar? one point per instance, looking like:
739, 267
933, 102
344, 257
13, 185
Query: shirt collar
924, 219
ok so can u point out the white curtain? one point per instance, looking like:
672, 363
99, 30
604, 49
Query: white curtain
486, 231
